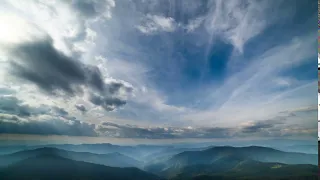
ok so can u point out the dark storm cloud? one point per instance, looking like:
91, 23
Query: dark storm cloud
55, 73
60, 111
95, 78
108, 103
81, 107
115, 87
40, 63
12, 105
47, 127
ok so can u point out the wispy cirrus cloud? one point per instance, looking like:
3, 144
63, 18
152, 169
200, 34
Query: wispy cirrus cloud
252, 93
238, 21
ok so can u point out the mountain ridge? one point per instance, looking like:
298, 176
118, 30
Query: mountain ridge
110, 159
52, 166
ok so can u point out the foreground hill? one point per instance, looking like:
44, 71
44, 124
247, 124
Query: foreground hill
235, 160
111, 159
257, 153
52, 167
245, 169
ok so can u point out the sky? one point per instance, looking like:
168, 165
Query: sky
158, 70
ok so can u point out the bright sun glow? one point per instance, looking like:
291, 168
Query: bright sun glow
14, 29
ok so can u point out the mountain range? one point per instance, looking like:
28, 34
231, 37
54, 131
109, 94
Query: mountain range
234, 160
222, 162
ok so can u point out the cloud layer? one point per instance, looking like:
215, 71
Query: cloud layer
19, 118
158, 69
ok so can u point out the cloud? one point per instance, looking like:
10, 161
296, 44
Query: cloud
50, 70
285, 124
17, 117
107, 103
126, 131
47, 126
6, 91
147, 103
115, 87
53, 120
306, 109
93, 8
277, 121
81, 107
57, 74
243, 93
255, 127
60, 111
237, 21
194, 24
270, 129
155, 23
86, 8
276, 127
9, 117
67, 22
11, 105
